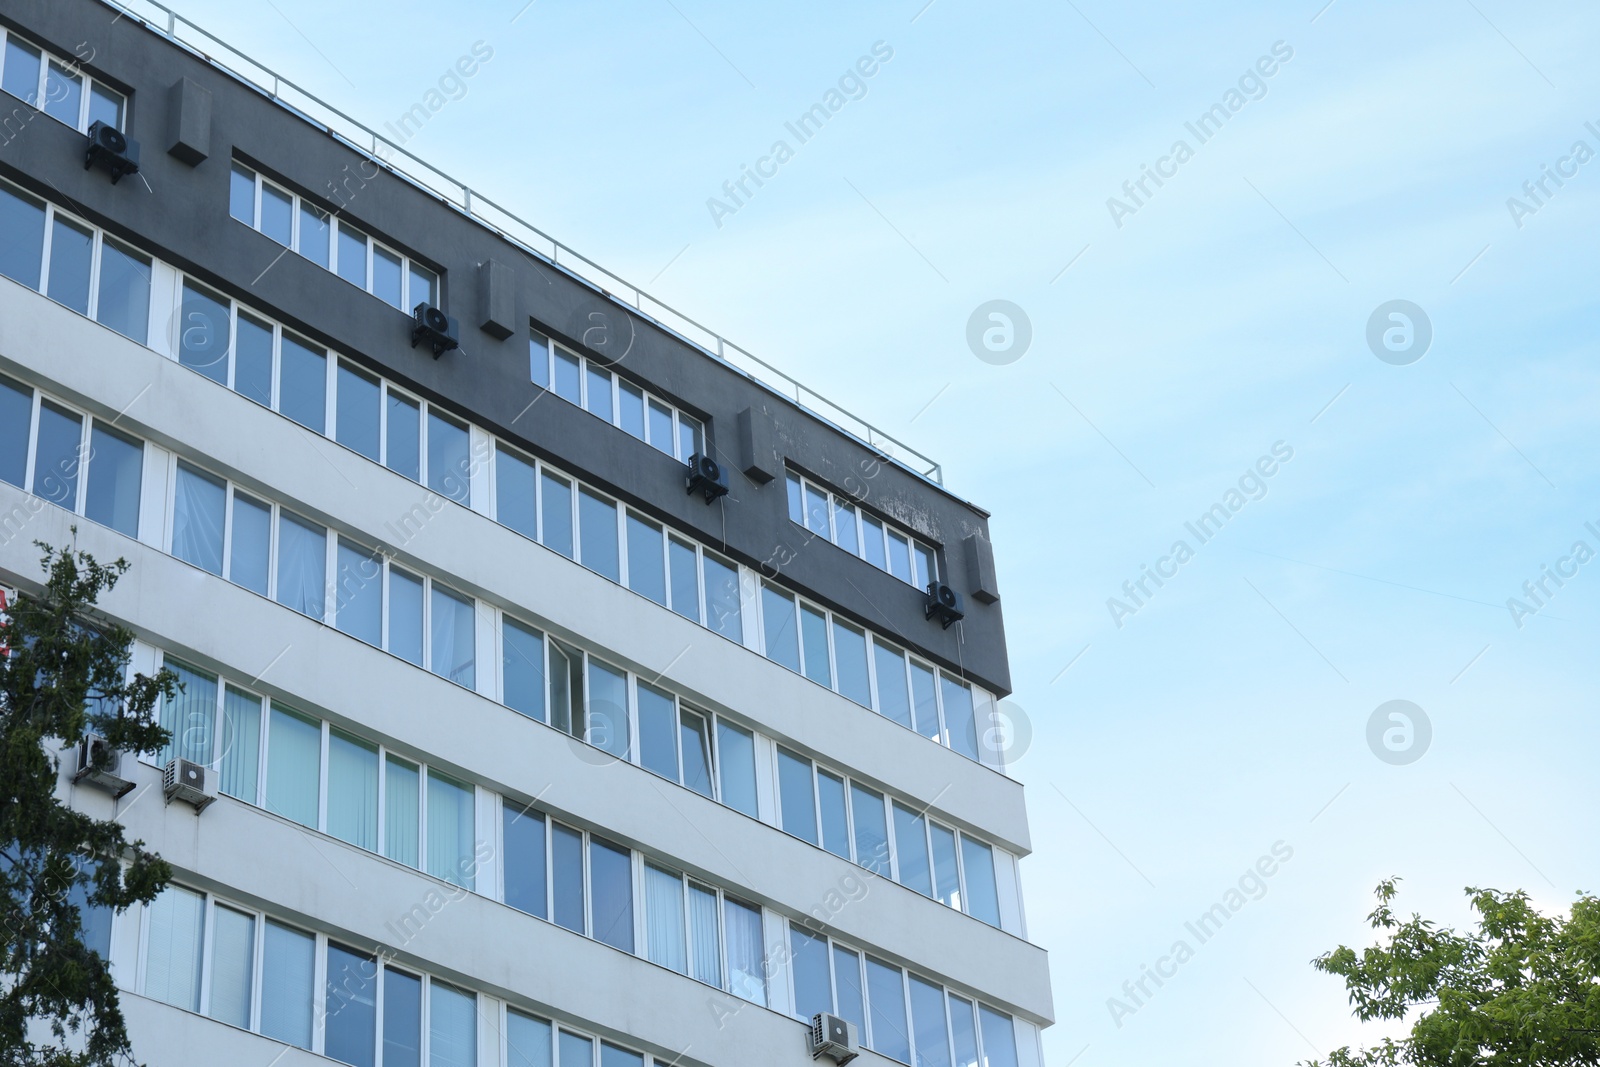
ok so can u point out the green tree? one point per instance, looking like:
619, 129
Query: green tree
1521, 990
66, 673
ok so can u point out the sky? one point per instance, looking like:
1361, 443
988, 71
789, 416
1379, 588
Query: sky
1185, 338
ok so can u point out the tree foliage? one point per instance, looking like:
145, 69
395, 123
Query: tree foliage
1520, 990
66, 674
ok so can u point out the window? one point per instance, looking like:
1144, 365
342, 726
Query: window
287, 969
594, 387
850, 653
449, 459
123, 299
241, 745
887, 1018
22, 224
71, 264
813, 985
359, 412
556, 512
946, 873
403, 453
607, 726
525, 869
353, 791
797, 797
778, 621
294, 766
929, 1022
454, 645
658, 731
566, 878
405, 615
57, 86
189, 715
303, 383
683, 563
450, 829
175, 924
527, 1041
350, 1001
830, 516
116, 468
302, 565
452, 1027
233, 950
981, 896
522, 669
722, 599
736, 766
835, 819
516, 493
666, 919
199, 515
358, 607
911, 851
402, 811
871, 828
402, 1019
597, 525
961, 728
999, 1038
647, 564
251, 557
746, 958
894, 700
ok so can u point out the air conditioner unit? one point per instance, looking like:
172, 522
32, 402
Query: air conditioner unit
943, 602
113, 150
101, 765
430, 324
833, 1037
189, 782
705, 475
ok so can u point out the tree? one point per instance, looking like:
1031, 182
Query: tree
66, 673
1521, 990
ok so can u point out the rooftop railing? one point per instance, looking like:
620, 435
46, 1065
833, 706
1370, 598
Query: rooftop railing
507, 224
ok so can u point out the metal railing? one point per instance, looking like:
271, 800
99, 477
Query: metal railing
474, 205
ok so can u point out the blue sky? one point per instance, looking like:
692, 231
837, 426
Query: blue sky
1228, 313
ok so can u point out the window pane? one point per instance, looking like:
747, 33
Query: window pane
404, 452
116, 464
386, 277
189, 716
647, 567
277, 214
16, 424
522, 669
689, 442
405, 616
746, 959
452, 1027
576, 1051
695, 735
722, 599
814, 643
946, 881
358, 410
847, 983
568, 377
352, 247
608, 710
172, 957
964, 1033
359, 593
999, 1038
661, 427
516, 494
252, 366
105, 105
685, 579
524, 859
351, 1007
303, 384
844, 527
455, 649
424, 286
777, 618
555, 508
566, 688
566, 859
242, 195
598, 389
401, 802
961, 727
539, 359
893, 699
450, 829
872, 543
631, 408
294, 761
315, 233
611, 894
124, 300
924, 570
658, 732
795, 793
252, 544
899, 557
57, 455
983, 900
527, 1041
287, 969
597, 526
353, 791
911, 849
813, 989
402, 1019
705, 948
666, 937
736, 761
241, 744
835, 823
63, 94
886, 995
927, 1015
233, 953
21, 229
797, 508
449, 460
816, 511
302, 565
871, 829
22, 68
612, 1056
203, 334
71, 251
925, 703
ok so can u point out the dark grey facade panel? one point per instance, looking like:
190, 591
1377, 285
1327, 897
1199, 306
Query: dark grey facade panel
188, 122
182, 216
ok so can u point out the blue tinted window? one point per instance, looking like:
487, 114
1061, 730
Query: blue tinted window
359, 411
597, 523
21, 236
303, 384
524, 860
116, 464
515, 494
16, 418
57, 455
449, 460
795, 792
71, 252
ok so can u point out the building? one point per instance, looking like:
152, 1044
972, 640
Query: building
522, 753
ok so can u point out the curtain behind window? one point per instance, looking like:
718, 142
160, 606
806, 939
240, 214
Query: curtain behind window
663, 898
172, 958
190, 716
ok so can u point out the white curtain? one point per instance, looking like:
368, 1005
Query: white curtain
294, 764
241, 744
401, 832
454, 639
663, 897
172, 962
286, 978
705, 961
197, 519
233, 949
190, 716
746, 973
450, 824
302, 565
353, 791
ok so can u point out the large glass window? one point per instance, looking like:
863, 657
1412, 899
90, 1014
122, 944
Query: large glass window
835, 819
172, 959
116, 465
387, 277
813, 988
850, 654
23, 66
359, 410
608, 710
403, 451
871, 828
925, 703
576, 1051
287, 970
694, 732
402, 1019
57, 457
233, 956
736, 762
294, 765
894, 701
983, 899
911, 849
886, 994
123, 301
778, 619
242, 195
647, 567
847, 985
611, 894
302, 565
599, 391
961, 726
241, 744
449, 459
516, 494
685, 577
402, 803
928, 1020
359, 593
746, 959
189, 715
814, 644
795, 791
999, 1038
71, 256
566, 877
452, 1027
450, 830
303, 383
705, 956
454, 638
353, 791
527, 1041
351, 1007
522, 668
315, 232
597, 525
253, 360
658, 731
352, 255
277, 214
199, 503
524, 865
405, 615
555, 507
946, 875
722, 599
250, 558
21, 232
963, 1034
16, 419
667, 939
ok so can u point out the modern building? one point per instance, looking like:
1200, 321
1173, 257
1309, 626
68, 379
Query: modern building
526, 746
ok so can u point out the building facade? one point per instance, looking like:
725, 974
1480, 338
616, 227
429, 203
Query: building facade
523, 753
